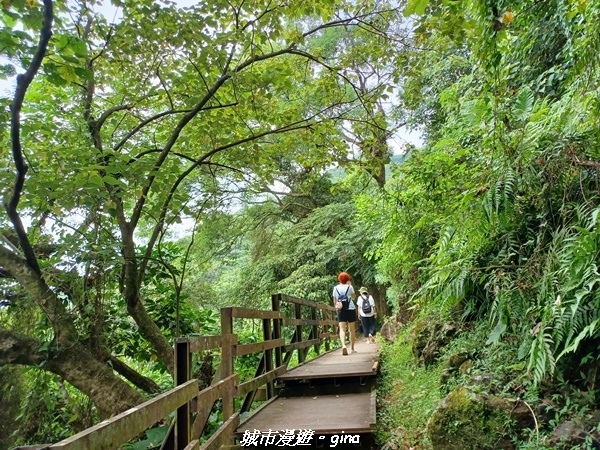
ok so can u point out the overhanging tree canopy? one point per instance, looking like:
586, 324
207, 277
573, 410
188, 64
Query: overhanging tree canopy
118, 131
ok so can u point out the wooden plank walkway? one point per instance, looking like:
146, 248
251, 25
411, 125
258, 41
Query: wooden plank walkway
331, 394
323, 414
335, 365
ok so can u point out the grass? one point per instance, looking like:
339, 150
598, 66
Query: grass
408, 394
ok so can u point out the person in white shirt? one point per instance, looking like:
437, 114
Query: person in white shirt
367, 314
343, 294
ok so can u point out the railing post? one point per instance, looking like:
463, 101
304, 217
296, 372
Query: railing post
327, 316
276, 306
268, 356
183, 373
298, 310
315, 329
227, 360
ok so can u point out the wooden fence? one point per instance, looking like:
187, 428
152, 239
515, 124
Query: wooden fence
292, 326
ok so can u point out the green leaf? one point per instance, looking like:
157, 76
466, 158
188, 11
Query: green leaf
415, 7
110, 180
524, 103
95, 179
496, 333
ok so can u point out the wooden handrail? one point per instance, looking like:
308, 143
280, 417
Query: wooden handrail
293, 322
203, 343
223, 434
248, 313
117, 430
186, 397
301, 345
246, 349
216, 391
255, 383
301, 301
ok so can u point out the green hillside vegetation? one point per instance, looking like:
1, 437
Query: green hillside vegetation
181, 160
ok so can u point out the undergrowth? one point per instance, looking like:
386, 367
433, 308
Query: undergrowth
409, 393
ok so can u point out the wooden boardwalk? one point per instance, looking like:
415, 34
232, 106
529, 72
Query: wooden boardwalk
333, 364
328, 395
326, 402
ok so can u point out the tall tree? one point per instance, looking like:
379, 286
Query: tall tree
118, 131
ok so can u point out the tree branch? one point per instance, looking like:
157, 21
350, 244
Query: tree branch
165, 88
37, 288
146, 122
108, 113
146, 384
17, 348
157, 229
23, 82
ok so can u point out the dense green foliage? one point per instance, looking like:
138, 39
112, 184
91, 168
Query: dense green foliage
495, 218
174, 160
498, 211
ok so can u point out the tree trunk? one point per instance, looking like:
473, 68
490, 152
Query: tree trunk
151, 332
131, 293
110, 393
146, 384
75, 364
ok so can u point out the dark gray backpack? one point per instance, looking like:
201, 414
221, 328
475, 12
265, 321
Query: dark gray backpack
366, 305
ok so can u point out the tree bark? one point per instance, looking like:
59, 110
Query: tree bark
65, 357
146, 384
110, 394
76, 365
152, 332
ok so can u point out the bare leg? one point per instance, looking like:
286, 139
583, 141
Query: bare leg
352, 333
342, 326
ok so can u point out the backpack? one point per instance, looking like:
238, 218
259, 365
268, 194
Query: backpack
366, 305
343, 298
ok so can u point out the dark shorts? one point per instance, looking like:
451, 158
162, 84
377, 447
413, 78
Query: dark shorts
346, 315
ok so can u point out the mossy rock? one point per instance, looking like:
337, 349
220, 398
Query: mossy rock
428, 336
463, 420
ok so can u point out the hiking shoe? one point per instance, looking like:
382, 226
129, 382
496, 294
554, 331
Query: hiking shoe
353, 351
344, 351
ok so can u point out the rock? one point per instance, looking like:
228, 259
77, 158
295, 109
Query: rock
572, 433
397, 440
517, 410
451, 365
484, 380
446, 375
389, 331
465, 367
544, 410
457, 359
428, 337
465, 420
430, 352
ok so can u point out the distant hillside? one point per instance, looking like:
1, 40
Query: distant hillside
398, 159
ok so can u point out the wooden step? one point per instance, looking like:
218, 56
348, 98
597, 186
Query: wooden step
322, 414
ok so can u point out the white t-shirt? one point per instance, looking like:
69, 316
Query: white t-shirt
359, 303
340, 289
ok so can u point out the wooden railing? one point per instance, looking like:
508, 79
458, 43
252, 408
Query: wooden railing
285, 333
276, 351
